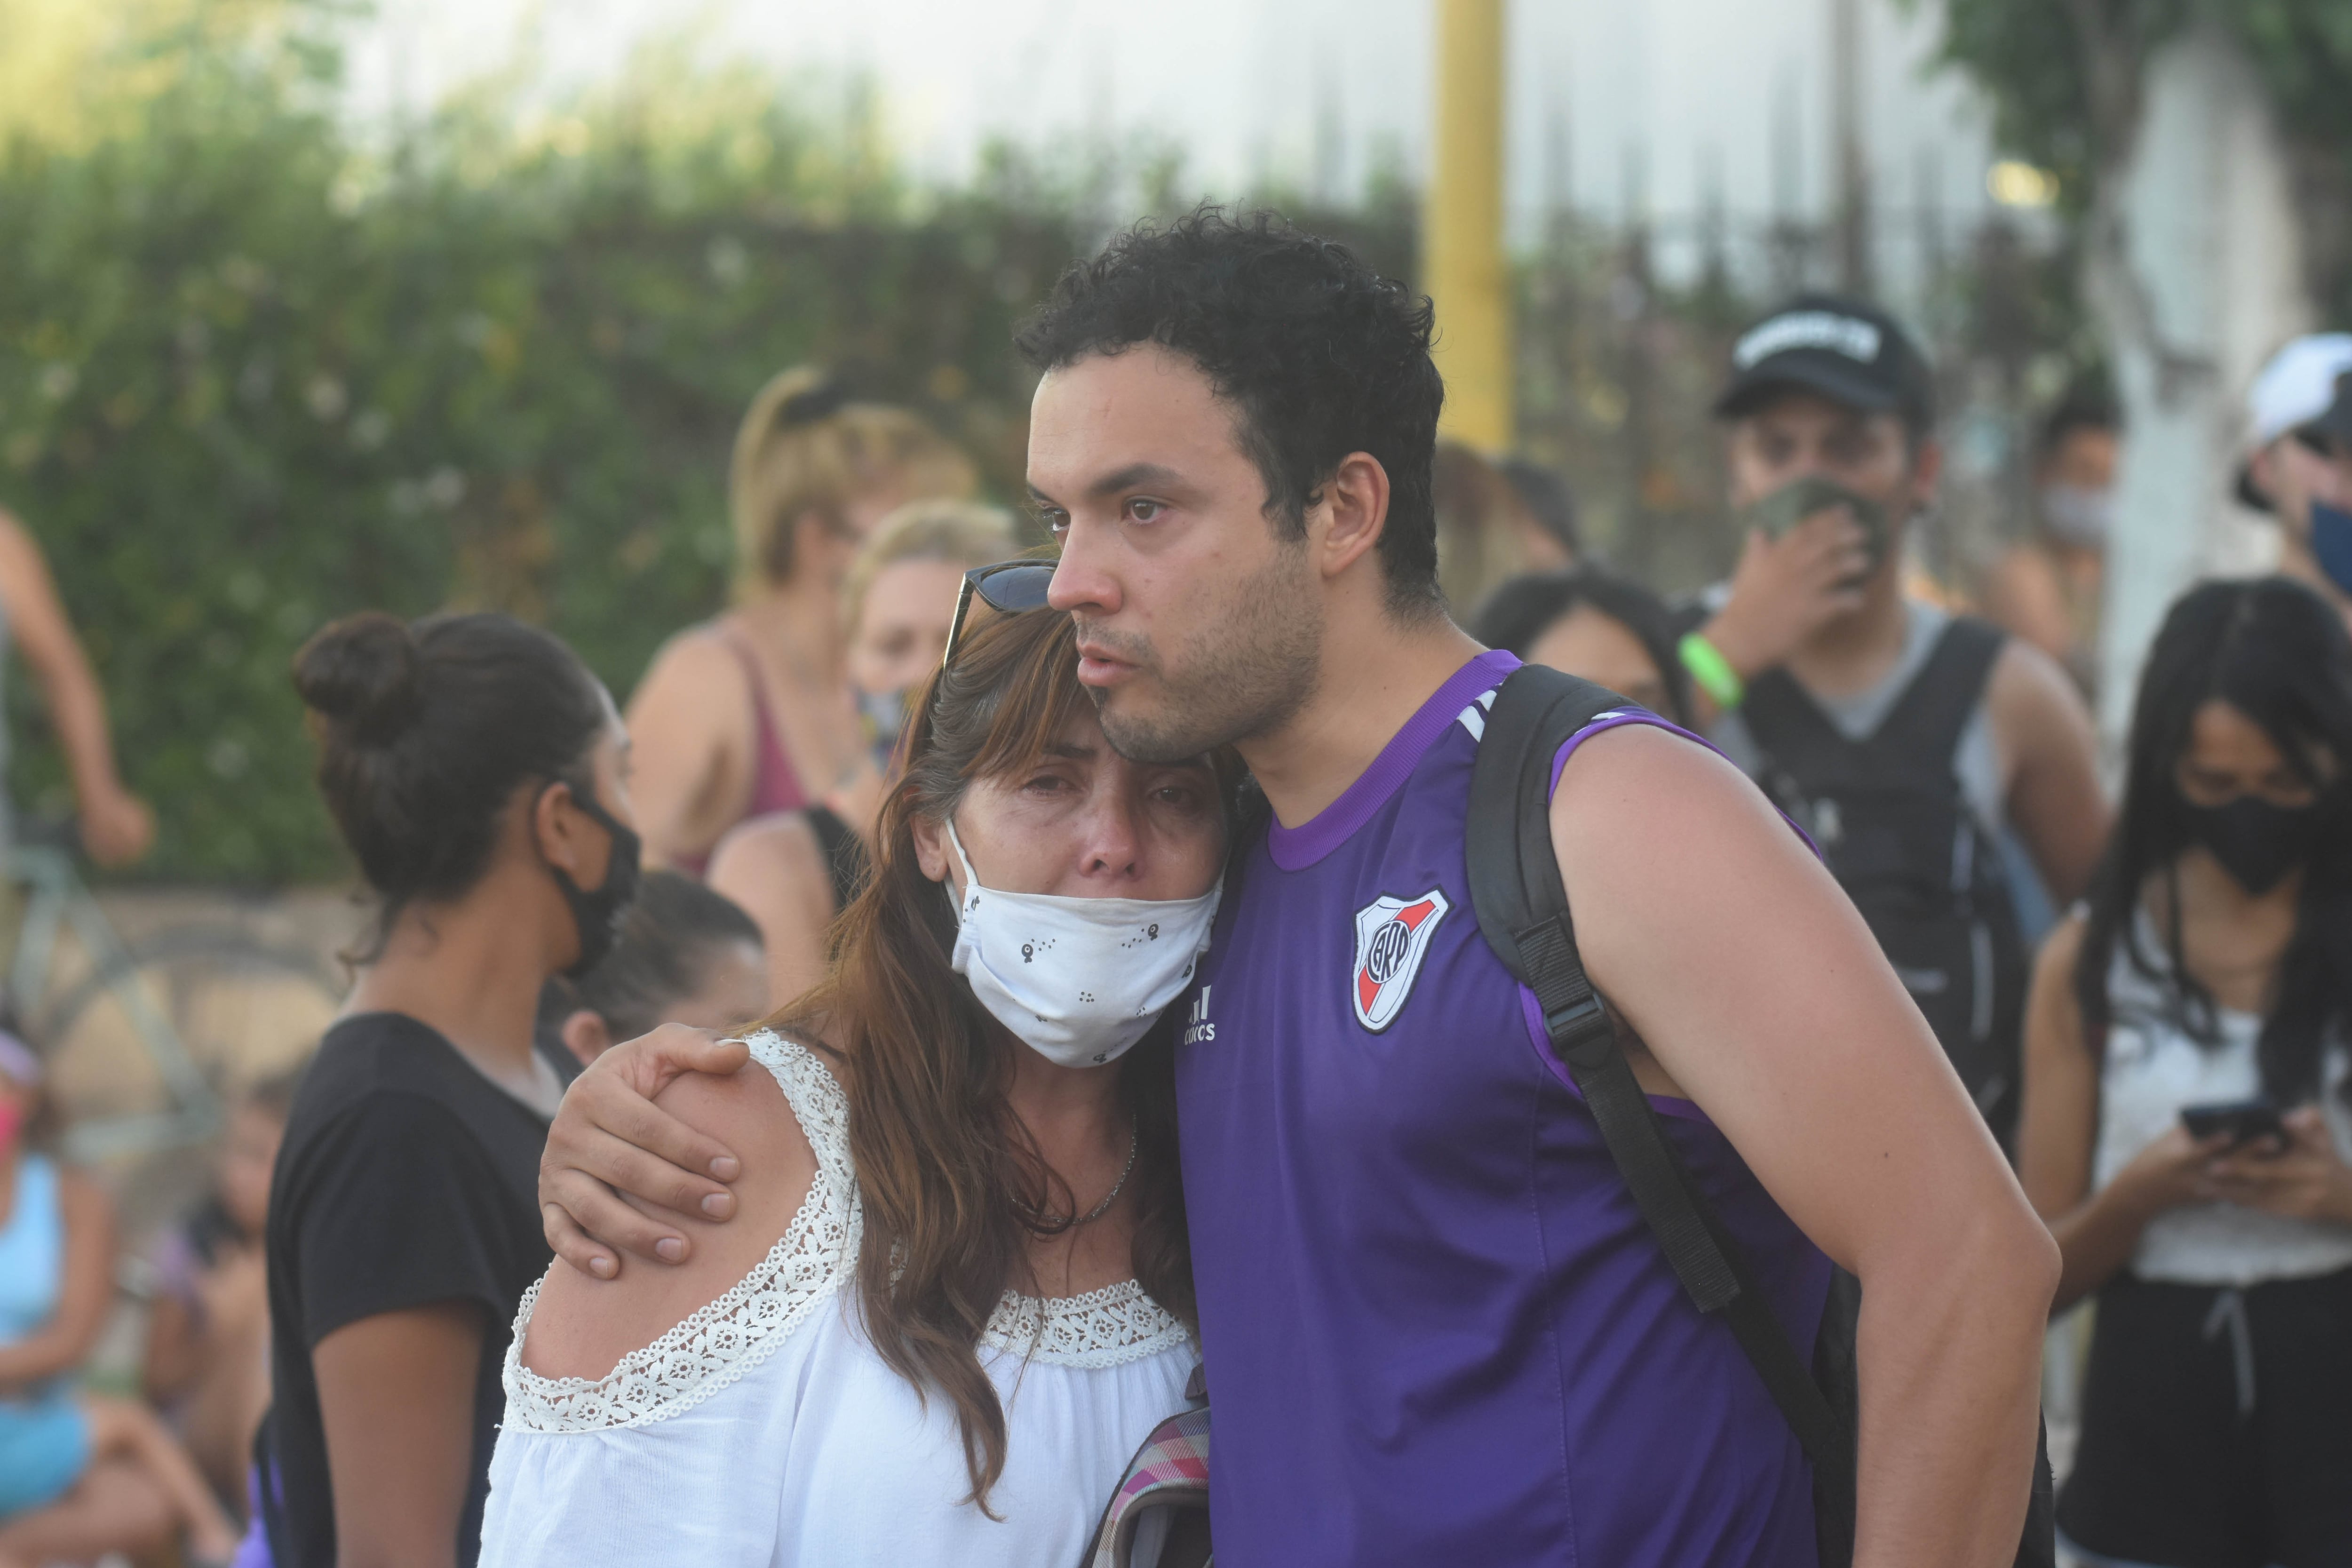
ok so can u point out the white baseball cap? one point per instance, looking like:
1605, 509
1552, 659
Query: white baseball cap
2294, 390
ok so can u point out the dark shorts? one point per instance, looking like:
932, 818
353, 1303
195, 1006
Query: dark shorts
2217, 1427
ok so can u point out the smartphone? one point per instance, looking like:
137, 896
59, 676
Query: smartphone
2244, 1120
1799, 498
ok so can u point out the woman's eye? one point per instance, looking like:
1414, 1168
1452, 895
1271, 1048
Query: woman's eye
1054, 521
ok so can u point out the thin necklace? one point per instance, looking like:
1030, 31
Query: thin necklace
1134, 1142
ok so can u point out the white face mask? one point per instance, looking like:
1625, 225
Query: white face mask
1079, 979
2078, 516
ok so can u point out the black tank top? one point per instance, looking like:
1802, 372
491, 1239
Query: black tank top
1896, 829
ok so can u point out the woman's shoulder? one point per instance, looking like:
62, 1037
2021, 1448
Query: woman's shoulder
778, 848
759, 1109
673, 1336
701, 665
704, 648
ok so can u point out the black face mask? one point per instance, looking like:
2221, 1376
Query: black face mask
2256, 842
597, 914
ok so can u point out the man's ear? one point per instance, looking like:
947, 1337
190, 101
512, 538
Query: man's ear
2262, 468
1355, 508
1926, 471
585, 1036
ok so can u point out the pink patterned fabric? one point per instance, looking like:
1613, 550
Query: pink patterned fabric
1171, 1471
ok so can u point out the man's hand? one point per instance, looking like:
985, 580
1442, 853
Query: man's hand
117, 826
609, 1134
1786, 589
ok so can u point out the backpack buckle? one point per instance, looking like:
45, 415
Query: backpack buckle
1579, 1025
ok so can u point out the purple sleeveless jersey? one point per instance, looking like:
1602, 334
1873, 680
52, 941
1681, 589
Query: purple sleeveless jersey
1436, 1329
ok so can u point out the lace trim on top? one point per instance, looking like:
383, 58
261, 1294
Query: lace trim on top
726, 1340
1109, 1327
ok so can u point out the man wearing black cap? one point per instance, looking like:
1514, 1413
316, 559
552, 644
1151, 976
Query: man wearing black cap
1908, 741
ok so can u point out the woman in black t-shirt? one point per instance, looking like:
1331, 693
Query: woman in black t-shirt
479, 772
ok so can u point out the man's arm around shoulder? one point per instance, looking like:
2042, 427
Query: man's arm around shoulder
1754, 982
583, 1326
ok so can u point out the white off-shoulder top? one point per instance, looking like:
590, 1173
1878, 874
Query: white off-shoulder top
764, 1430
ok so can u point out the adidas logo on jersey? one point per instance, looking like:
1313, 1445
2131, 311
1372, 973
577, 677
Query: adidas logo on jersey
1391, 938
1198, 1030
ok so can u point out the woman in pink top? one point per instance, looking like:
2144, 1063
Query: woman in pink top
751, 712
793, 871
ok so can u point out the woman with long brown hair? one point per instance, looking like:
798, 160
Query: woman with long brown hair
958, 1291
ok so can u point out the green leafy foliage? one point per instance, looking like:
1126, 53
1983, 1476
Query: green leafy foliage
256, 371
2030, 56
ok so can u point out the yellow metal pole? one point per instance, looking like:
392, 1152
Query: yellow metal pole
1461, 227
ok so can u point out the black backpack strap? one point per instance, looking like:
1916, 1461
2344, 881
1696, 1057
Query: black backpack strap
1522, 908
1781, 718
1927, 720
1922, 728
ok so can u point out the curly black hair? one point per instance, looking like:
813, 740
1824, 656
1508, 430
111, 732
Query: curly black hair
1320, 354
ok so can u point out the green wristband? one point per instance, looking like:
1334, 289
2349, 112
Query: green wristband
1712, 671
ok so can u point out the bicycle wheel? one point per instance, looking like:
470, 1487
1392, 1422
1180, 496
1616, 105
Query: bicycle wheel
141, 1048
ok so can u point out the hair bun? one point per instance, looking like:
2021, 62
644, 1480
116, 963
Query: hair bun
363, 672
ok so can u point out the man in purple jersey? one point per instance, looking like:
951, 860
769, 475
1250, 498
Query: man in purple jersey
1436, 1329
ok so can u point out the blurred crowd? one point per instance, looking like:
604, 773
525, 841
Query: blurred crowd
2144, 992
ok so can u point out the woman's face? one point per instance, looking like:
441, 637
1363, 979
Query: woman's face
2229, 756
1085, 823
1600, 647
869, 506
902, 627
248, 1153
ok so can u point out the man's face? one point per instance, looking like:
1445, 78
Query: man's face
1799, 434
2293, 472
1199, 624
2084, 458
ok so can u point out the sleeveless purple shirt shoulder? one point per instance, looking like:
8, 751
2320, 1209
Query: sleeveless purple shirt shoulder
1435, 1329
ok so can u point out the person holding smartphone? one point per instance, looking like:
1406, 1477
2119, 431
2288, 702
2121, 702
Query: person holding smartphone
2188, 1114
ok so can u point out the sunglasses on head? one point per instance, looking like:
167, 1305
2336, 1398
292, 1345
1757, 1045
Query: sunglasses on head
1007, 587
